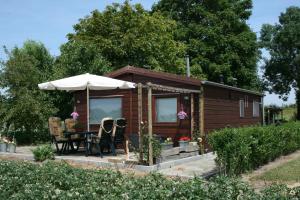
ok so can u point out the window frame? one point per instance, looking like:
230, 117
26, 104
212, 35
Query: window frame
253, 108
105, 97
155, 110
242, 114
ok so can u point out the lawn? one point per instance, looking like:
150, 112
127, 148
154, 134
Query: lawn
288, 172
289, 112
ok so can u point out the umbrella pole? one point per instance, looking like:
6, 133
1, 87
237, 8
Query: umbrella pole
88, 108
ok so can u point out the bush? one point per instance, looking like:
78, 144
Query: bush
242, 149
50, 180
44, 152
156, 146
26, 138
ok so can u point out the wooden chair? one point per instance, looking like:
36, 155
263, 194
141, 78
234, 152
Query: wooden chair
76, 138
104, 137
57, 135
119, 134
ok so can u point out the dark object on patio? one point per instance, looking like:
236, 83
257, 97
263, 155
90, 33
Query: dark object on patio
74, 138
104, 138
57, 135
119, 133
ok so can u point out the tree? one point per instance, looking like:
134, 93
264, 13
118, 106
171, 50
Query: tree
26, 108
218, 39
282, 41
122, 35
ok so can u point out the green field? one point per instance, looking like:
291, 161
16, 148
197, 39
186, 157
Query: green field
288, 172
289, 113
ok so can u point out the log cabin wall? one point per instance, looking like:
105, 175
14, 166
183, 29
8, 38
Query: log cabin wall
173, 129
222, 109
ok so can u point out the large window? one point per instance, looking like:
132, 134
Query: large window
256, 106
242, 108
105, 107
166, 109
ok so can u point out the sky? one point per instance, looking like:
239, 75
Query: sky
50, 21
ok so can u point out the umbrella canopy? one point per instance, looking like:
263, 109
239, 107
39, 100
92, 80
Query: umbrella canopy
86, 81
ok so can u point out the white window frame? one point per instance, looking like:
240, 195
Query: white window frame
256, 109
242, 108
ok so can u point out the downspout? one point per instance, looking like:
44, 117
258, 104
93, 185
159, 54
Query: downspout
201, 121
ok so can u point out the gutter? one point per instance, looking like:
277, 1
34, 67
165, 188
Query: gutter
231, 87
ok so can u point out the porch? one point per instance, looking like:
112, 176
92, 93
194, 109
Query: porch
201, 165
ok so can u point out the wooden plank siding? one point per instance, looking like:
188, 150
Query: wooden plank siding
130, 106
222, 109
221, 105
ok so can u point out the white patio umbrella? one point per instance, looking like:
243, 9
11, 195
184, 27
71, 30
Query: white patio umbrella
86, 82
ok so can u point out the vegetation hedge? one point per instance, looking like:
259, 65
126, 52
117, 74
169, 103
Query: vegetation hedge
50, 180
242, 149
27, 138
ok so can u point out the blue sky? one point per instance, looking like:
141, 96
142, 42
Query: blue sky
50, 21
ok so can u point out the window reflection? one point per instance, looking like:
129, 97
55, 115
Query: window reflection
166, 109
105, 107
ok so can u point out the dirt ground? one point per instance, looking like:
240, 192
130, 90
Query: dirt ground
259, 184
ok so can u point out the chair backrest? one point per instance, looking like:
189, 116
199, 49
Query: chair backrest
106, 127
55, 127
70, 124
119, 129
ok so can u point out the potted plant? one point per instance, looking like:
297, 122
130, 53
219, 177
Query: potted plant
3, 144
11, 146
184, 141
167, 144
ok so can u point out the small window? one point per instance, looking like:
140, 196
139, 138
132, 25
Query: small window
166, 109
105, 107
256, 109
242, 108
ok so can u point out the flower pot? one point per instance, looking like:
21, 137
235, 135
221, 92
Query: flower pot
3, 147
11, 148
183, 145
165, 146
193, 143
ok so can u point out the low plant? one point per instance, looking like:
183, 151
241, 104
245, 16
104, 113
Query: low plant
168, 141
156, 147
185, 138
43, 152
51, 180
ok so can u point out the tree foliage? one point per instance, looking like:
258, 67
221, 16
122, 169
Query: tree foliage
218, 39
24, 106
122, 35
282, 41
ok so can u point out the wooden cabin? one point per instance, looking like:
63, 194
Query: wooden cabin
208, 105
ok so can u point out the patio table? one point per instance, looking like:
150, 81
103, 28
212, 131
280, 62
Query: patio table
87, 140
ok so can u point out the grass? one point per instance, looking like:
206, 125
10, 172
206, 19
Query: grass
289, 112
288, 172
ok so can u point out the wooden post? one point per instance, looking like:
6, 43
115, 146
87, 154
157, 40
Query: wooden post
201, 119
150, 125
140, 119
192, 115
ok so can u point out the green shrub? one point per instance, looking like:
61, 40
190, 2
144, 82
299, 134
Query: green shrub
242, 149
50, 180
43, 152
156, 146
26, 138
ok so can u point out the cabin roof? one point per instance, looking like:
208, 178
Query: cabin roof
154, 74
174, 77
